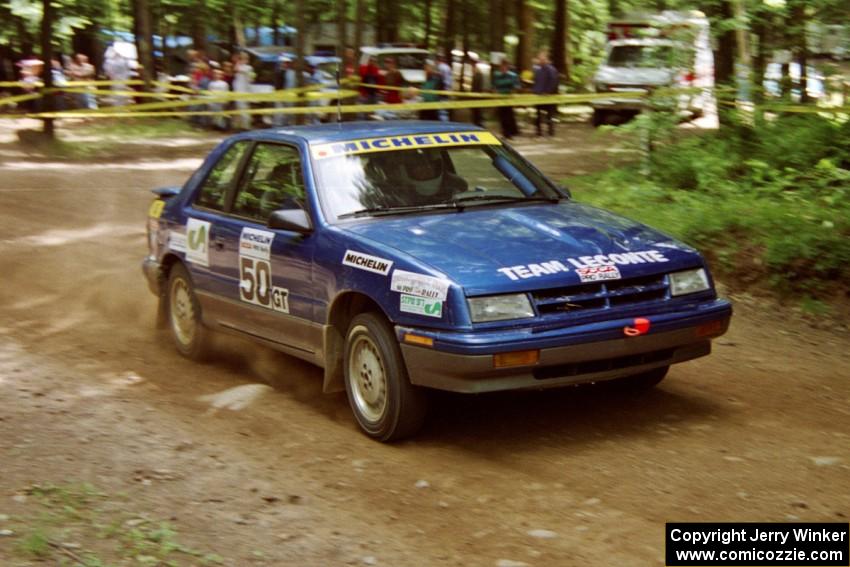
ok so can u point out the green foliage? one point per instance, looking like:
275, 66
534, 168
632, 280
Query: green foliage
767, 206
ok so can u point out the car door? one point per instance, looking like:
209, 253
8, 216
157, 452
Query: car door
269, 272
202, 240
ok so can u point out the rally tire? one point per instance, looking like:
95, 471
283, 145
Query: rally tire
384, 402
183, 315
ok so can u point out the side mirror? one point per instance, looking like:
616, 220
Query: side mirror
293, 220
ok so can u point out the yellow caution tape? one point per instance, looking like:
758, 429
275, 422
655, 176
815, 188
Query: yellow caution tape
520, 100
18, 98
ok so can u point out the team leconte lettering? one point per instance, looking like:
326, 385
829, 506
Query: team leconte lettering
584, 264
389, 143
367, 262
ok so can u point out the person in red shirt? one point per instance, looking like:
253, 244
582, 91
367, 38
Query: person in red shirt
370, 74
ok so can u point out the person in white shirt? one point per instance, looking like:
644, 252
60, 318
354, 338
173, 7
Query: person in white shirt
117, 68
216, 86
243, 78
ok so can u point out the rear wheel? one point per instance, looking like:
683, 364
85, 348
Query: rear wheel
386, 405
600, 117
184, 315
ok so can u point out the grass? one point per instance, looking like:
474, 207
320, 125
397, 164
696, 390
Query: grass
769, 207
103, 534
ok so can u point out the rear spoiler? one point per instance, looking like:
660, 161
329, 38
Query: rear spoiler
166, 192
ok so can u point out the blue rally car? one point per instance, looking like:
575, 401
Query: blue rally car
405, 256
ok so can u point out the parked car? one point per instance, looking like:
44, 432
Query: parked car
409, 60
645, 53
408, 256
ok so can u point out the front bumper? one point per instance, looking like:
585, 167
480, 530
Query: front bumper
571, 355
152, 271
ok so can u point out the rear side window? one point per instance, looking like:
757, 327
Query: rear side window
213, 192
272, 181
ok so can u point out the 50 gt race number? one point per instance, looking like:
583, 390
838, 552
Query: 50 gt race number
255, 285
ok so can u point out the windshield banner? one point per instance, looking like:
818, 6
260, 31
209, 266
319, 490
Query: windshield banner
390, 143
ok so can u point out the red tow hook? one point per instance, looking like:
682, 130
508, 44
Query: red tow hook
640, 326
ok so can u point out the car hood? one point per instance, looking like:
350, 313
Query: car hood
634, 76
413, 76
502, 249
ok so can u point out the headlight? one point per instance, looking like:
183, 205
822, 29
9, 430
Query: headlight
500, 307
689, 281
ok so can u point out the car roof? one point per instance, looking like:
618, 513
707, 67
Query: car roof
333, 132
382, 50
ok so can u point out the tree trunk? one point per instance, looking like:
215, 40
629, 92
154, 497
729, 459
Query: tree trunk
198, 26
144, 40
358, 25
797, 25
448, 42
760, 58
299, 53
464, 30
47, 57
525, 27
559, 37
341, 27
497, 25
724, 65
277, 38
428, 23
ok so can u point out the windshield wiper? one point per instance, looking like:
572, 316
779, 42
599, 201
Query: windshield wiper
505, 199
382, 210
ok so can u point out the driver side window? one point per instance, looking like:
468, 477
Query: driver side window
213, 192
272, 181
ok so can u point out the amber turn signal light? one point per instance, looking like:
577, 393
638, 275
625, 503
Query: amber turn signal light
710, 329
517, 358
410, 338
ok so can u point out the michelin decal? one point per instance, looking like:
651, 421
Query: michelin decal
367, 262
390, 143
588, 268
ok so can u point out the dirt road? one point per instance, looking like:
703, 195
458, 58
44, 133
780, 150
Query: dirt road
251, 465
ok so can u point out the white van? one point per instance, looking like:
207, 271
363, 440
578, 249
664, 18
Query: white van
648, 52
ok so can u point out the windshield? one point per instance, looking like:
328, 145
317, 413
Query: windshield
641, 56
404, 60
408, 180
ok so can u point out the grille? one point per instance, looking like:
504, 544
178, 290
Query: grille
601, 295
593, 366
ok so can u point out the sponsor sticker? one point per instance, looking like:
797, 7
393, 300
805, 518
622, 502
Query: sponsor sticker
198, 242
177, 241
367, 262
419, 285
155, 210
598, 273
421, 306
256, 243
525, 271
404, 142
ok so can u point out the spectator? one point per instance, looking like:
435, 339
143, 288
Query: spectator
81, 70
506, 82
545, 83
391, 78
287, 80
243, 78
313, 76
117, 68
433, 82
370, 74
477, 87
349, 63
445, 71
227, 72
218, 85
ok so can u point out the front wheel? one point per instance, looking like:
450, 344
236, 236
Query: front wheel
386, 405
184, 315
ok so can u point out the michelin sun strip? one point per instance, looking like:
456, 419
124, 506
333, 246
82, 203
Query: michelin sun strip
406, 142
